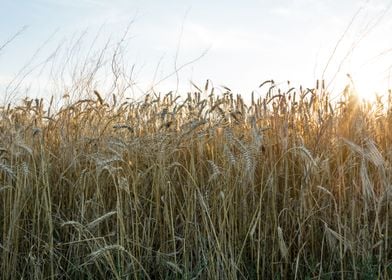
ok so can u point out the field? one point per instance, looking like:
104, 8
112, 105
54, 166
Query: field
290, 185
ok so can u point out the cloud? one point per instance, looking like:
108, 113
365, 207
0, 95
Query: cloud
197, 36
280, 11
5, 79
73, 4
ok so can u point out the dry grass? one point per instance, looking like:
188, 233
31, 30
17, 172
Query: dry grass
288, 187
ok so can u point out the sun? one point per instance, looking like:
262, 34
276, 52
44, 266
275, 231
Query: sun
368, 85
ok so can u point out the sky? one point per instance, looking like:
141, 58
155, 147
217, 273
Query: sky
238, 44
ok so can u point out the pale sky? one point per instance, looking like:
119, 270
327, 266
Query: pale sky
247, 42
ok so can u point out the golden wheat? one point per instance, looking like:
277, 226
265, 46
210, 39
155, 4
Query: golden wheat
210, 187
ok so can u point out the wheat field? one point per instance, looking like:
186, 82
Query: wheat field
290, 185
